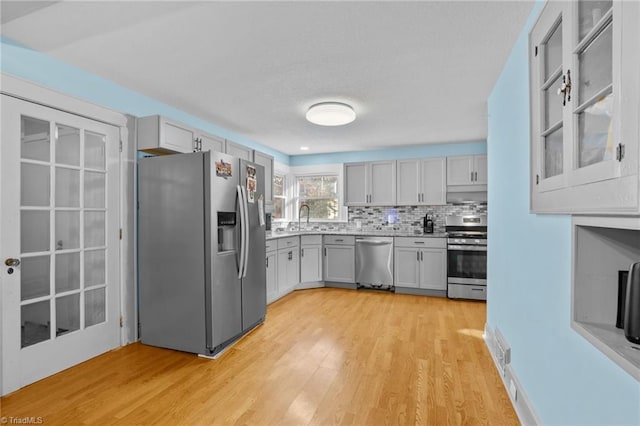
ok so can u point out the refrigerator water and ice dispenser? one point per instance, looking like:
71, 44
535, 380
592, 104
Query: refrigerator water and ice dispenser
226, 228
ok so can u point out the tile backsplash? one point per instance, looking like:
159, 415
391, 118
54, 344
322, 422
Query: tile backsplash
405, 218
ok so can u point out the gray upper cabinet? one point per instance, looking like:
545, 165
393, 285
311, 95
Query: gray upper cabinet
157, 135
210, 143
266, 161
584, 67
238, 150
467, 173
421, 182
371, 183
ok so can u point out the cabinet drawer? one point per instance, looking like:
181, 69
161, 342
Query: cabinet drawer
340, 239
272, 245
459, 291
420, 242
288, 242
310, 239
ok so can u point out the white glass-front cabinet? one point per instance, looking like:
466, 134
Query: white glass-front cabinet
585, 79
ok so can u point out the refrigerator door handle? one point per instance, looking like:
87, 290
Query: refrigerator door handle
245, 245
243, 230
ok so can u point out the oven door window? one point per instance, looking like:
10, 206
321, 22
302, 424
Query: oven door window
467, 264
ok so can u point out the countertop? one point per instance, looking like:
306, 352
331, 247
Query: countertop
373, 233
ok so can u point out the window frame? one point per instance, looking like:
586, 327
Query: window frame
296, 195
285, 187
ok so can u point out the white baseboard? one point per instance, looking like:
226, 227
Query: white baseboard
521, 403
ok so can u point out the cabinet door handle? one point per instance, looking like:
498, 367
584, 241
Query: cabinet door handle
267, 262
302, 252
421, 255
325, 252
290, 255
418, 256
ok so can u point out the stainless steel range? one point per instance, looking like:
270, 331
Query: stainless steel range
467, 257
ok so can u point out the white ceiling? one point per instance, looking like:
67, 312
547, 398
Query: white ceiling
415, 72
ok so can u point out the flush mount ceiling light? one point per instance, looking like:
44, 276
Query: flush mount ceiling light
331, 114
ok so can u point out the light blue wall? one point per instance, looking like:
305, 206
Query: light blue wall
529, 277
422, 151
39, 68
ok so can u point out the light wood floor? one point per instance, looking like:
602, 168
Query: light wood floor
324, 356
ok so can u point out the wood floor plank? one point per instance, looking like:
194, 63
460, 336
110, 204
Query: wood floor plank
324, 356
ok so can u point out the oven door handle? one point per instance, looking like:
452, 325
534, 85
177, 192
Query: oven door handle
467, 248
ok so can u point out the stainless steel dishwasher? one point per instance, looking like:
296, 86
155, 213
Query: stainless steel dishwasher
374, 263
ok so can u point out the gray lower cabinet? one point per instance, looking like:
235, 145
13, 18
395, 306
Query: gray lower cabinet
310, 258
420, 263
272, 275
339, 259
288, 264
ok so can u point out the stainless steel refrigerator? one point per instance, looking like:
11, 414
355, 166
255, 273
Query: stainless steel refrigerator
201, 250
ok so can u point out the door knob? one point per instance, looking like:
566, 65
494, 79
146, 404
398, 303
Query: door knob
12, 262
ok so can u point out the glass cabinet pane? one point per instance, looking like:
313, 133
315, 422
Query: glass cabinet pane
552, 104
596, 63
595, 133
553, 154
553, 52
590, 13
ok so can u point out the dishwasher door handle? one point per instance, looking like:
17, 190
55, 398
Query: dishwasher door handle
373, 242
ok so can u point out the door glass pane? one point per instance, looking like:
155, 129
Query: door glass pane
67, 230
553, 154
34, 231
67, 145
67, 314
94, 190
67, 272
34, 185
595, 137
34, 277
35, 139
35, 322
94, 229
596, 63
94, 307
94, 147
552, 104
94, 267
553, 52
590, 14
67, 187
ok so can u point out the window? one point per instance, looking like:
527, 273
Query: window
279, 199
320, 193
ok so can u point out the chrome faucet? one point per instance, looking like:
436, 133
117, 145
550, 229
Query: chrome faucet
303, 205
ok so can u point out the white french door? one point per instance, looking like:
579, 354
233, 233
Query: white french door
59, 214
